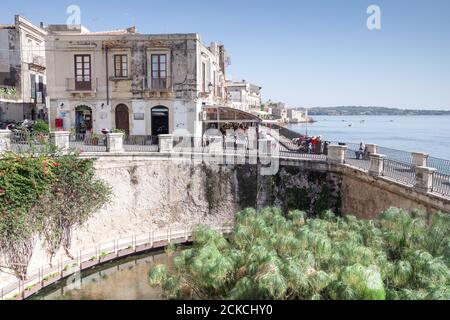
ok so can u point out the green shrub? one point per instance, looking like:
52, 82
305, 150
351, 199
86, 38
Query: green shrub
270, 256
41, 126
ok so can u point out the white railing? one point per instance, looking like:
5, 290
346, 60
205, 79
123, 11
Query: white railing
95, 255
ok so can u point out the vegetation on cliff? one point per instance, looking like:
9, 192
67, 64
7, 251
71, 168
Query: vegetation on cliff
270, 256
44, 195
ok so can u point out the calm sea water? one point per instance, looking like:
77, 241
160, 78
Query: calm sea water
430, 134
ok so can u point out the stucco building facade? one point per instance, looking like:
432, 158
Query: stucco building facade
142, 84
244, 95
22, 71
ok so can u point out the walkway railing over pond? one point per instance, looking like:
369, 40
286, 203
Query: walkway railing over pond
89, 257
397, 165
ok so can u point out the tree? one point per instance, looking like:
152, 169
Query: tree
74, 197
270, 256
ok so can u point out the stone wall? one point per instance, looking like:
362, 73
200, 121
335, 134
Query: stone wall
366, 197
156, 192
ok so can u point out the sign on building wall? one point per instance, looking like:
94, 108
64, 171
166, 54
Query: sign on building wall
139, 116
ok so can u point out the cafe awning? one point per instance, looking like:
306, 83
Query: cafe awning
221, 114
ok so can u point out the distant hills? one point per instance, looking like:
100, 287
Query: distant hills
372, 111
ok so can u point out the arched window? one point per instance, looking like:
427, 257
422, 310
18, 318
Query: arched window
160, 120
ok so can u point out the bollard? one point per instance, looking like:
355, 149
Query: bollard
114, 142
336, 154
371, 148
5, 140
165, 142
424, 179
60, 139
419, 159
376, 164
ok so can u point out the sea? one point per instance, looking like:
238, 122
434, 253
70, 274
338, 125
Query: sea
429, 134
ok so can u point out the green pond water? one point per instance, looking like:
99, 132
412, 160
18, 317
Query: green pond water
124, 279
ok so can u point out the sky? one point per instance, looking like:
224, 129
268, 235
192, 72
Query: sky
306, 53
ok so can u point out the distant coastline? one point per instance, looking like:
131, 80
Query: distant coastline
373, 111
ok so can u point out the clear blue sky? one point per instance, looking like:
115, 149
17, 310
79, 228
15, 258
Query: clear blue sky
306, 53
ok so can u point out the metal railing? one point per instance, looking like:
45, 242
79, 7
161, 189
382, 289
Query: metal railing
355, 158
86, 142
399, 171
72, 85
158, 84
441, 184
396, 155
397, 164
24, 141
441, 165
98, 254
293, 150
140, 143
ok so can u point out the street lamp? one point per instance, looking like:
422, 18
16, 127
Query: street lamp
210, 87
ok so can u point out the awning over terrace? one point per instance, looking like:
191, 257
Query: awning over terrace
220, 114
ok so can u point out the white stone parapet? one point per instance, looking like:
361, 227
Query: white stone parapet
419, 159
376, 164
336, 154
424, 178
371, 148
165, 142
114, 142
5, 140
60, 139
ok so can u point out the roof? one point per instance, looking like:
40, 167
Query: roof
118, 32
215, 114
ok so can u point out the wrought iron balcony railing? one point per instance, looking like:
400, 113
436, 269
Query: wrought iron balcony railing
74, 85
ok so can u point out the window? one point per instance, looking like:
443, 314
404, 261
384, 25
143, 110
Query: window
159, 66
121, 66
33, 86
203, 77
41, 89
83, 72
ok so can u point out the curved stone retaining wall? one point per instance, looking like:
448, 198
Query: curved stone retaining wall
156, 191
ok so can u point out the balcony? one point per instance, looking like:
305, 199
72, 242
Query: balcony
37, 63
158, 84
88, 87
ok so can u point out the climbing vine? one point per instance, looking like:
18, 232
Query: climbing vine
44, 195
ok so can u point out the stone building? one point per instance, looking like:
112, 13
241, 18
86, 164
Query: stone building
140, 83
244, 95
279, 110
22, 71
296, 116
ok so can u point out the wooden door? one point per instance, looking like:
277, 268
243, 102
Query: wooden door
123, 118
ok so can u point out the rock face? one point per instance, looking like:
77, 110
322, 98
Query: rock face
154, 194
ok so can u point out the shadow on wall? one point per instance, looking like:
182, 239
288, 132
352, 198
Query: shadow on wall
291, 188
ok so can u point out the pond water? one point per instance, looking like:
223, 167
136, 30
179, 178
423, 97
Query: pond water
124, 279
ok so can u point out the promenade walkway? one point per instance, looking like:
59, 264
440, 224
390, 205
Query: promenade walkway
397, 165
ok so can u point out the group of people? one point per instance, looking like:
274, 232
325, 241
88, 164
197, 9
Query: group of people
311, 144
